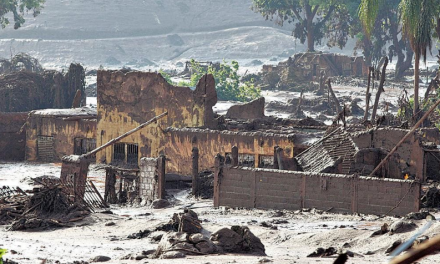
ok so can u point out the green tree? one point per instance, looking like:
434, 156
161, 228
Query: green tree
387, 32
418, 19
2, 253
227, 80
17, 8
313, 19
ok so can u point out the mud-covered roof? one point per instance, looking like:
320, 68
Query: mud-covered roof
324, 154
70, 112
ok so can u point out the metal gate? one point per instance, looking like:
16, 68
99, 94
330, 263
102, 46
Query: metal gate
45, 148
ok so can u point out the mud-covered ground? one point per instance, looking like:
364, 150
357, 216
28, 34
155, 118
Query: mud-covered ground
288, 236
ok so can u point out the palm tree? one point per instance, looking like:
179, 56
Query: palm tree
418, 18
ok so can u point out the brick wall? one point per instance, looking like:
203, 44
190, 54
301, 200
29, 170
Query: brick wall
148, 180
276, 189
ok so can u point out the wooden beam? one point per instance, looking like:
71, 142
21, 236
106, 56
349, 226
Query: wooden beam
405, 137
115, 140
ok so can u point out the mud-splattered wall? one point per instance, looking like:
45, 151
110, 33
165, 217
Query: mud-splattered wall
179, 144
54, 133
409, 157
12, 138
25, 91
275, 189
128, 99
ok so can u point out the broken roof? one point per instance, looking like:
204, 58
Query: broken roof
326, 153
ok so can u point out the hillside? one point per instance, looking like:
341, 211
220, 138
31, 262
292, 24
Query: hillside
120, 32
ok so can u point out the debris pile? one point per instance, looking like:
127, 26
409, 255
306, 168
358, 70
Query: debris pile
48, 207
186, 236
206, 187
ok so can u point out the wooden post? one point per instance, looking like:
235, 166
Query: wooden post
218, 171
234, 154
405, 138
195, 172
161, 177
335, 99
368, 95
298, 109
110, 191
379, 90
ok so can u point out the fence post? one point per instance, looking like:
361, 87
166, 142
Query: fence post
161, 177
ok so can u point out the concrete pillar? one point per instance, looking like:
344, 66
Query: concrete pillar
234, 154
195, 172
279, 155
275, 158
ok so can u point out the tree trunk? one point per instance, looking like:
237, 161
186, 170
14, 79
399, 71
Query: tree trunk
416, 85
368, 94
310, 29
310, 38
379, 90
404, 65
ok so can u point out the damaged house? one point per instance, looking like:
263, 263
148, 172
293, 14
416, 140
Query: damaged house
25, 86
344, 152
125, 100
128, 99
309, 66
54, 133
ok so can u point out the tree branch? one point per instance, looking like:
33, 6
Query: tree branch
326, 17
298, 16
315, 9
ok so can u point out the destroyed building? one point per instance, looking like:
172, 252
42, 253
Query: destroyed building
309, 66
343, 152
25, 86
54, 133
125, 100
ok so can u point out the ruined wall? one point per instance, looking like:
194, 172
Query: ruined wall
410, 153
61, 129
251, 110
366, 160
275, 189
179, 144
148, 179
25, 91
127, 99
12, 141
